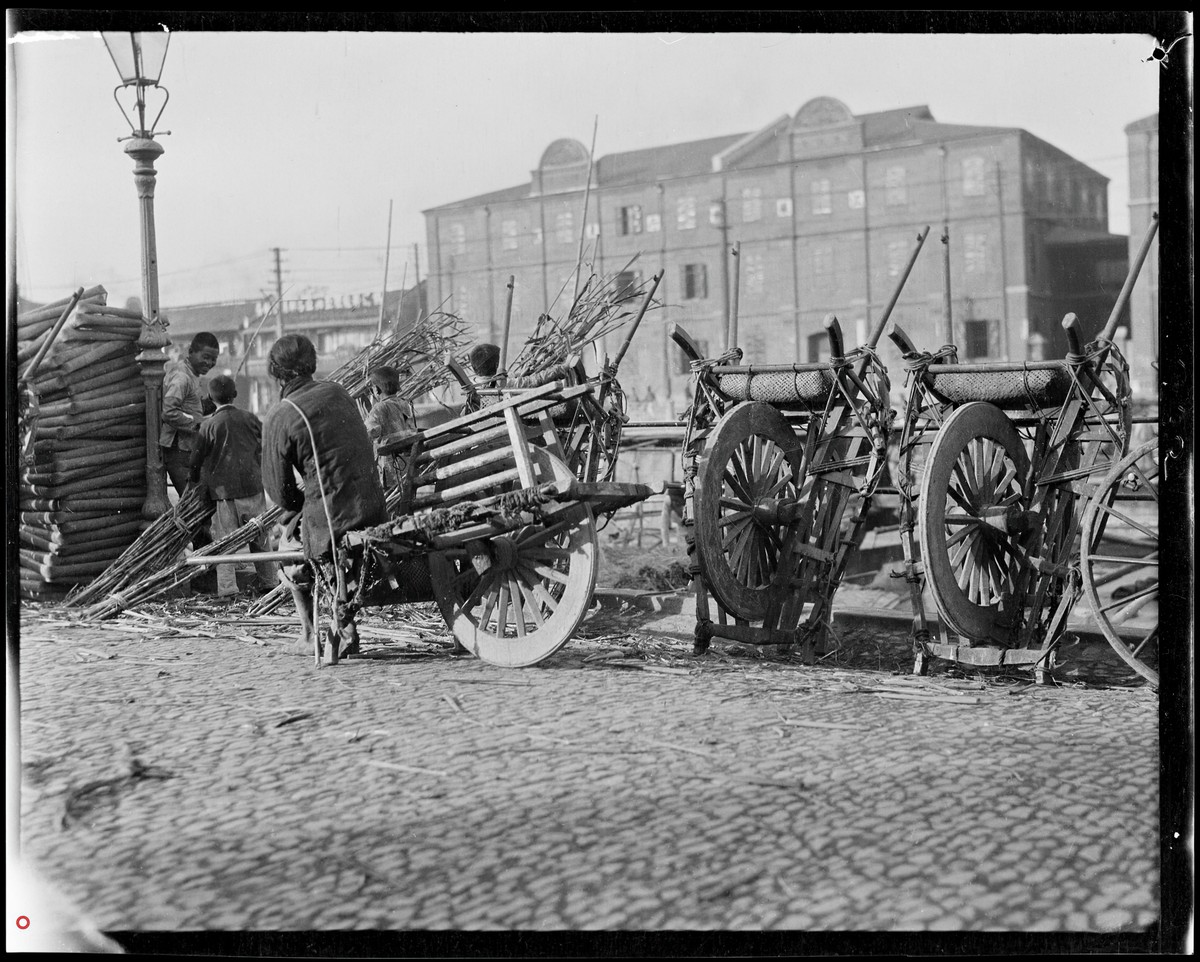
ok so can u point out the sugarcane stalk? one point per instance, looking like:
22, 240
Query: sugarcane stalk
182, 571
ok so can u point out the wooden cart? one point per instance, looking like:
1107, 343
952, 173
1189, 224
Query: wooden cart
507, 528
999, 464
780, 463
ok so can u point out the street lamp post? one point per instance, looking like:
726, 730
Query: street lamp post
139, 59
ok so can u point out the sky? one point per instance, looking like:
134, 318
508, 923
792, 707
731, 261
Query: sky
301, 140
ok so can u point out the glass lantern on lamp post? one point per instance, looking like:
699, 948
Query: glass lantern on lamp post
139, 59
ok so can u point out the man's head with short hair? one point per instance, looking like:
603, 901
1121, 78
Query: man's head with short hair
485, 359
292, 356
203, 352
222, 389
386, 378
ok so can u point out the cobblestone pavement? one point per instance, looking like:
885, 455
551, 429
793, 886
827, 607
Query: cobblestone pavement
184, 773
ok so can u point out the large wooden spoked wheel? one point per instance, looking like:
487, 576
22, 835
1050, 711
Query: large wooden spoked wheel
533, 595
970, 517
1119, 558
751, 472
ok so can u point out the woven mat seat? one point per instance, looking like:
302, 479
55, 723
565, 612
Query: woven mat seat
1043, 387
810, 387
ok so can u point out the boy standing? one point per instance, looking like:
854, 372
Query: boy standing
390, 414
226, 464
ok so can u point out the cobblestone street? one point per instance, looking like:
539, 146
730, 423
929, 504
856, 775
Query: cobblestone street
201, 778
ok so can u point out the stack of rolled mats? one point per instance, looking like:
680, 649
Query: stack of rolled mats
83, 445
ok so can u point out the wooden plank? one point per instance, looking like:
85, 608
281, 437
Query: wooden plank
545, 396
520, 447
462, 490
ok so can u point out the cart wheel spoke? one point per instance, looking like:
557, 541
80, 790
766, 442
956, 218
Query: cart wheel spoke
736, 516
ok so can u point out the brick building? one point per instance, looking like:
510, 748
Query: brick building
826, 206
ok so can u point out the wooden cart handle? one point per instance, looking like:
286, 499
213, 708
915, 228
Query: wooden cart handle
837, 347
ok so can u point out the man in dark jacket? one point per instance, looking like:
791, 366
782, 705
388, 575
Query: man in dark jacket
226, 466
316, 432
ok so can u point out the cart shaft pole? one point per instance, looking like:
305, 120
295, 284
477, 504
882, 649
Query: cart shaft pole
1134, 269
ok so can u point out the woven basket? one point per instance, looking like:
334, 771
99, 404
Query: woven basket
779, 387
1042, 388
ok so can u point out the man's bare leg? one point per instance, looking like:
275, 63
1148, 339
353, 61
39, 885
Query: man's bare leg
303, 600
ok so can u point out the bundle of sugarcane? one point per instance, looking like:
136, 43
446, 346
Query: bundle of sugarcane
158, 547
419, 349
165, 578
604, 304
83, 457
267, 603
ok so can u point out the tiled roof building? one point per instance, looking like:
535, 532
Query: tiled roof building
826, 206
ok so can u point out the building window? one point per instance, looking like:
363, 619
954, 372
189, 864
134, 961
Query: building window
822, 200
1031, 179
972, 177
508, 235
751, 204
783, 207
976, 338
716, 213
456, 237
754, 346
896, 187
592, 229
653, 223
695, 282
755, 273
564, 227
818, 348
682, 365
537, 237
630, 221
685, 213
1098, 201
1111, 273
822, 267
626, 281
975, 253
462, 302
856, 199
896, 251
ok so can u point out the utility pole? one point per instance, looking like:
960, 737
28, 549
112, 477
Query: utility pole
417, 273
947, 318
278, 294
1004, 350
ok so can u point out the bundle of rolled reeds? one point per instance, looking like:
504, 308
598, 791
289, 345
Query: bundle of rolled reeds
164, 578
156, 548
603, 305
420, 349
83, 451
